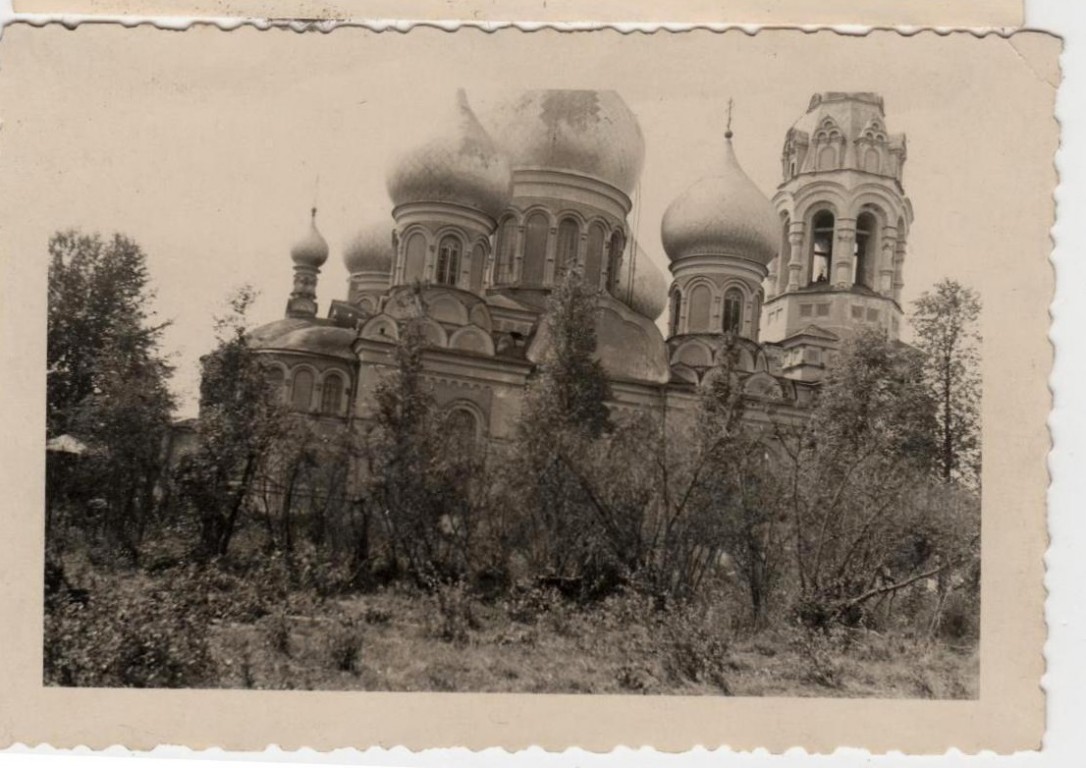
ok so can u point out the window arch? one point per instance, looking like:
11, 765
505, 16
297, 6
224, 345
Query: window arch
676, 311
332, 394
697, 314
301, 396
821, 247
614, 260
866, 250
415, 258
593, 261
507, 246
462, 425
447, 270
565, 256
733, 311
535, 249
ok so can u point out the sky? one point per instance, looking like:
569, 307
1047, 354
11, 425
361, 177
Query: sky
208, 148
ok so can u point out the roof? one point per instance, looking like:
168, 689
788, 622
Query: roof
308, 336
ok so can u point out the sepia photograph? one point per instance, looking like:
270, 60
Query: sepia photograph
527, 363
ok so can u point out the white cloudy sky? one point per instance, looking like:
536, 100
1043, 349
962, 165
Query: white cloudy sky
205, 146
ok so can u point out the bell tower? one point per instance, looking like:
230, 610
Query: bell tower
844, 222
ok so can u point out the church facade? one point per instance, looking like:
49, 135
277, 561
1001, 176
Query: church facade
484, 221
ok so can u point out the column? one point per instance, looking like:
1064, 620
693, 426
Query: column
844, 254
795, 259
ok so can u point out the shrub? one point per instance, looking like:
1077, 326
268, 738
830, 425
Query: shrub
695, 649
277, 633
344, 646
155, 637
455, 612
818, 649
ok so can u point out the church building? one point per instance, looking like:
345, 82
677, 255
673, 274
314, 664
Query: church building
486, 219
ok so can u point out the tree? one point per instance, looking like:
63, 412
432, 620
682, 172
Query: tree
568, 535
421, 473
241, 419
107, 379
945, 320
851, 470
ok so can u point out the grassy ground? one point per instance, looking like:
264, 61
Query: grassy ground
395, 640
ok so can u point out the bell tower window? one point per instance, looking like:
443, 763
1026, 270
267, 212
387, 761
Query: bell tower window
821, 247
733, 310
448, 261
865, 252
676, 312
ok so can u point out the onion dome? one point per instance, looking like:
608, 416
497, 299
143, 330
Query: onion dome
725, 214
311, 250
591, 133
648, 294
461, 165
370, 250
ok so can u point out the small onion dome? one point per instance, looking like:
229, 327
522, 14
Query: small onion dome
461, 165
648, 295
370, 250
722, 214
311, 250
591, 133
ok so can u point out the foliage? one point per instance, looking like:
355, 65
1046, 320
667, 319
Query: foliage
157, 637
240, 421
852, 471
945, 320
107, 385
422, 473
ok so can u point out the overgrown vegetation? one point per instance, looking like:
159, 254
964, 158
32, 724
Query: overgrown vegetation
716, 552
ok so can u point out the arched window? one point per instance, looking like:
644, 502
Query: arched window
733, 311
448, 261
676, 312
565, 256
866, 252
593, 259
462, 426
478, 262
301, 397
332, 394
697, 314
535, 249
821, 247
415, 259
614, 261
507, 246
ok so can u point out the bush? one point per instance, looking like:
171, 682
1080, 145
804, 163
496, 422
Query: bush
344, 646
695, 649
120, 637
456, 613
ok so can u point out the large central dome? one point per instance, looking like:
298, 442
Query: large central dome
725, 214
591, 133
459, 165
